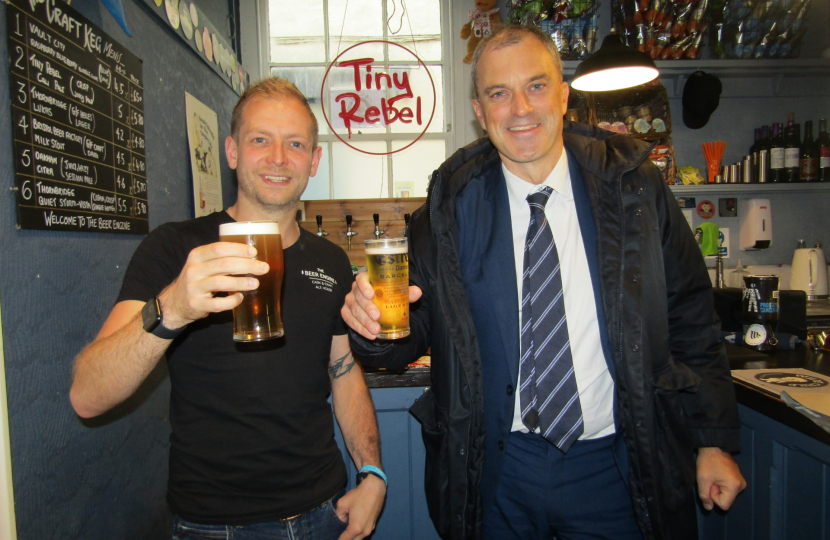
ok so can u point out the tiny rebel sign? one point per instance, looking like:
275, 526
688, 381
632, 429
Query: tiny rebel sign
362, 96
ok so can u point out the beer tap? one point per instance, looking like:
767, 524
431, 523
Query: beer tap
320, 231
378, 231
406, 224
349, 232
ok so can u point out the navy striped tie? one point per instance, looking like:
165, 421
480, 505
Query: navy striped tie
547, 389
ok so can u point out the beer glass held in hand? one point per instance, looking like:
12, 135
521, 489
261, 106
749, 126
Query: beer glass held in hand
258, 317
388, 262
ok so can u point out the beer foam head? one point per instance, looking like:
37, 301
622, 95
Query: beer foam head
392, 250
239, 228
392, 246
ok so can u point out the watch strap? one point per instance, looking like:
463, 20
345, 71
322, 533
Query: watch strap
166, 333
153, 321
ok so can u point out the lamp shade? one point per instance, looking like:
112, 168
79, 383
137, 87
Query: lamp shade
613, 67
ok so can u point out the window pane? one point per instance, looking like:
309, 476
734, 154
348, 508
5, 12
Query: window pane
318, 186
348, 104
418, 29
412, 168
358, 175
308, 80
296, 31
420, 84
363, 21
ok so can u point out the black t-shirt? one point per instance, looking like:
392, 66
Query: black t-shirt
253, 432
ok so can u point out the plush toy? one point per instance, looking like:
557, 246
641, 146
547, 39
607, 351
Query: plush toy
483, 20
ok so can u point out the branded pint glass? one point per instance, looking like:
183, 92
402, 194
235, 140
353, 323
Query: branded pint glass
258, 318
388, 262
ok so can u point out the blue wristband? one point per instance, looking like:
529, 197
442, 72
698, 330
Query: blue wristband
371, 469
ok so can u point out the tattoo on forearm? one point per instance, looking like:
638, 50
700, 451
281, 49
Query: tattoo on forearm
341, 366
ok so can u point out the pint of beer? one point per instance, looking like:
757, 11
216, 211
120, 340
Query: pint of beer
388, 262
258, 316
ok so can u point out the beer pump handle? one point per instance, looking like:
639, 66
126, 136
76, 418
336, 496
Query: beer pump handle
378, 231
320, 231
349, 232
406, 224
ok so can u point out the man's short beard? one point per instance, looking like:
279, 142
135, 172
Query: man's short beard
270, 206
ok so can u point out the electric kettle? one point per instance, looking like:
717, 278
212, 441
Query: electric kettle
809, 271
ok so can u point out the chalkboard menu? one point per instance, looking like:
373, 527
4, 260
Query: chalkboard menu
78, 123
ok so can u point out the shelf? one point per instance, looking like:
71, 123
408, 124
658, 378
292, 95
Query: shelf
775, 70
802, 67
814, 67
750, 189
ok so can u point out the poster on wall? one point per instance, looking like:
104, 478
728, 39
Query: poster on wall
203, 137
77, 123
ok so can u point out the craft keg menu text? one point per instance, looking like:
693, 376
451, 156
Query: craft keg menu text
78, 123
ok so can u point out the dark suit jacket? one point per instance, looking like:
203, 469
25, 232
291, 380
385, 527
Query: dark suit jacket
485, 243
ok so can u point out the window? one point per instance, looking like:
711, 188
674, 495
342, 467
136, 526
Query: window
305, 36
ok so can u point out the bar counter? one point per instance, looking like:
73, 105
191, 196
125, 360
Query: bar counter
740, 357
785, 457
802, 357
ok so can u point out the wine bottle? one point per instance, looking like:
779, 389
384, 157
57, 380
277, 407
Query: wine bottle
776, 154
754, 147
761, 157
766, 135
823, 151
809, 155
792, 150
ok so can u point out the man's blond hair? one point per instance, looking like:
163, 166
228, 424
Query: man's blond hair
273, 88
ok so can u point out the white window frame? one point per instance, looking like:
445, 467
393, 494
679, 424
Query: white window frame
447, 66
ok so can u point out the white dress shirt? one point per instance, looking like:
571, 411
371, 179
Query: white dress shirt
595, 384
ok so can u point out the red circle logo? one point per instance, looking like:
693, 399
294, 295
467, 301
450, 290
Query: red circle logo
365, 95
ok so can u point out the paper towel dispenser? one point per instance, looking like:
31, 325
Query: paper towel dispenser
756, 224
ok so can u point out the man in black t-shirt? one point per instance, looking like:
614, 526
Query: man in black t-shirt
252, 450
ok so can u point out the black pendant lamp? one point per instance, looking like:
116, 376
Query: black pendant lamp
613, 67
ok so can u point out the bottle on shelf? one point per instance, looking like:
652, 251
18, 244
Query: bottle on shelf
823, 151
809, 155
766, 135
760, 157
776, 154
792, 150
754, 147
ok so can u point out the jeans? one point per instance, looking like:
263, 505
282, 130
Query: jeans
320, 523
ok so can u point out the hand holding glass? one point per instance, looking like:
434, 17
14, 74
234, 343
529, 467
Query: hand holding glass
388, 262
258, 317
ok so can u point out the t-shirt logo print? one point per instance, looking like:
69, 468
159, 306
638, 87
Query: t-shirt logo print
320, 279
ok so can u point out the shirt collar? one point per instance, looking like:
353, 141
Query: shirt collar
558, 180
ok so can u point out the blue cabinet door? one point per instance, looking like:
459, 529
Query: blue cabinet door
405, 515
788, 486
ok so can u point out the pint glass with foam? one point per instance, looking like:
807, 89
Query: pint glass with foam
258, 318
388, 262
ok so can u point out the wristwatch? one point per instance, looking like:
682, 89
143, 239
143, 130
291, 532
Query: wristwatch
151, 316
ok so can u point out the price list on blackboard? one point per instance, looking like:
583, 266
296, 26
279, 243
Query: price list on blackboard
78, 123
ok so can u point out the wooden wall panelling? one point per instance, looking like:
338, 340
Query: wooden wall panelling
390, 213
